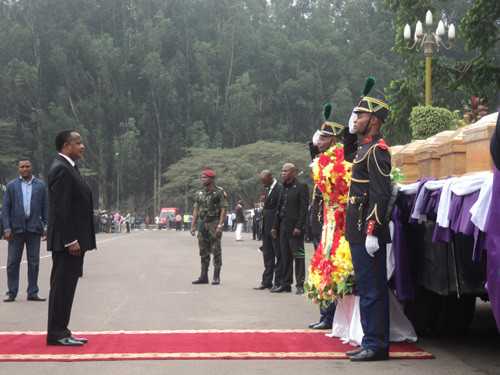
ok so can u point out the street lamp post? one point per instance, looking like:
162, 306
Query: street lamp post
430, 41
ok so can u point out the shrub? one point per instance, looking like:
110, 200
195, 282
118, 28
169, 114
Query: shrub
426, 121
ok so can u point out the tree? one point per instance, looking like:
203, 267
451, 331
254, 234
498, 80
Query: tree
237, 170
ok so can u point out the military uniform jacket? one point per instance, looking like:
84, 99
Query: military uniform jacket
292, 207
370, 192
210, 204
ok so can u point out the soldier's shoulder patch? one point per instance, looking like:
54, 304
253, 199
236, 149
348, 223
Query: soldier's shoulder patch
382, 145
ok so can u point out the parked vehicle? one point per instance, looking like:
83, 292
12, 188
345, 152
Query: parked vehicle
167, 217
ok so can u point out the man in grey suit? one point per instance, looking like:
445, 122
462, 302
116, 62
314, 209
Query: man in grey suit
24, 219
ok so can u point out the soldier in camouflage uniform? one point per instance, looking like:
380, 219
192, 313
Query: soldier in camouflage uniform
210, 207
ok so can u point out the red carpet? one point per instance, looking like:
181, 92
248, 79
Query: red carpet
210, 344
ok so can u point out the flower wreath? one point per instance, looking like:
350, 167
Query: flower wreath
331, 273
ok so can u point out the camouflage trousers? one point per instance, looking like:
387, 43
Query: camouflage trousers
209, 243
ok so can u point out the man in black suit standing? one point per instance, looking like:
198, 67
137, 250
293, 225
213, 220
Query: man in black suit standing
289, 226
270, 246
70, 234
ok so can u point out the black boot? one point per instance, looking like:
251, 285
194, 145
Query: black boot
216, 280
203, 279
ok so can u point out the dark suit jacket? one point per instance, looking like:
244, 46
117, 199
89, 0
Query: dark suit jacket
13, 216
70, 208
293, 206
270, 207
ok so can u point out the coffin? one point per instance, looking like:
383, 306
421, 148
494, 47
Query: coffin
428, 159
452, 155
409, 166
396, 157
477, 139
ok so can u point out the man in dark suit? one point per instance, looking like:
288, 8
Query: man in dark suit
24, 218
70, 234
289, 226
270, 246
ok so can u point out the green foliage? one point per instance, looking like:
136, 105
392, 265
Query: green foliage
190, 73
480, 28
214, 74
237, 170
397, 175
11, 151
426, 121
457, 73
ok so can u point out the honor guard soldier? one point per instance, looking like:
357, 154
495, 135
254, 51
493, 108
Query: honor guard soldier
367, 227
210, 206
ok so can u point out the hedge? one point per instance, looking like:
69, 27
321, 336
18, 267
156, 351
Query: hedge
426, 121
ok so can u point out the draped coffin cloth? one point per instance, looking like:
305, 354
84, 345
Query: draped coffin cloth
493, 248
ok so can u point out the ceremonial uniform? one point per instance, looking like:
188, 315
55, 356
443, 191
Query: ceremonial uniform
370, 192
366, 224
209, 205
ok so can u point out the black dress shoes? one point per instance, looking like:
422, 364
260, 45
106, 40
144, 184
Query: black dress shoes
313, 324
350, 353
300, 290
9, 298
322, 325
282, 289
67, 341
368, 355
83, 340
36, 298
262, 287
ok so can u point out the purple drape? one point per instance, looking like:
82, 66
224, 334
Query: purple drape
404, 279
493, 248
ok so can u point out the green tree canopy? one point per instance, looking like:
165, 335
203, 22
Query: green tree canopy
237, 170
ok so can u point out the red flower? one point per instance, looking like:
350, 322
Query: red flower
323, 160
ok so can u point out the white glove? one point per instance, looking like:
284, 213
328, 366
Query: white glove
315, 138
371, 245
352, 120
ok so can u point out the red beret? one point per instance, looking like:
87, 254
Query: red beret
208, 173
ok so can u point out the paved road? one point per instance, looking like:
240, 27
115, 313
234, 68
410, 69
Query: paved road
142, 281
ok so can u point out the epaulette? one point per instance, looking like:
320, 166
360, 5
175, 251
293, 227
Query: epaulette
382, 145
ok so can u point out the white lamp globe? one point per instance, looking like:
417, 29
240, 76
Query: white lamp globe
428, 18
407, 32
440, 29
419, 30
451, 32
